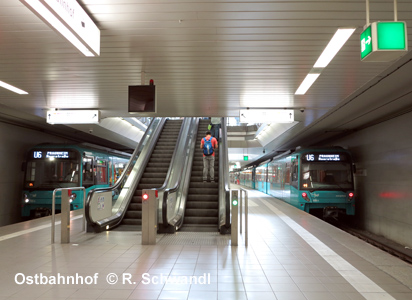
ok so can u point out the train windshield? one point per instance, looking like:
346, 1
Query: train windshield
326, 175
52, 172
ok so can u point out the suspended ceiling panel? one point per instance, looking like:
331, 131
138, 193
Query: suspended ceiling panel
207, 58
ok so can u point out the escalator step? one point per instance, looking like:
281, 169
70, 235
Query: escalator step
160, 180
201, 184
143, 186
154, 174
203, 191
202, 198
156, 169
137, 198
135, 206
203, 220
201, 212
133, 215
202, 205
131, 221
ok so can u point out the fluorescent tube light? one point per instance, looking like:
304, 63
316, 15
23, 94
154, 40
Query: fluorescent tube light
307, 83
70, 21
12, 88
335, 44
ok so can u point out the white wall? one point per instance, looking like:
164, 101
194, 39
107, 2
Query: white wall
15, 141
384, 195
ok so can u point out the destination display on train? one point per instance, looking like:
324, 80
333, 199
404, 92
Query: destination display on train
53, 154
322, 157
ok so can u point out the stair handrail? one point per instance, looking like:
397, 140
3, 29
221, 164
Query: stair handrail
224, 193
173, 200
127, 181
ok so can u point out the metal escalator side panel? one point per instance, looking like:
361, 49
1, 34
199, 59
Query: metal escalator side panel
153, 176
128, 179
224, 193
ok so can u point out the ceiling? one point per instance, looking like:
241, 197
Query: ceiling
207, 58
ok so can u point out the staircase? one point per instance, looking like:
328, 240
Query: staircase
202, 204
154, 174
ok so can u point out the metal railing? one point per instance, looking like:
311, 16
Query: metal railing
53, 220
246, 213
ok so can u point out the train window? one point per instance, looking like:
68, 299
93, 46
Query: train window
51, 172
88, 177
101, 172
295, 174
326, 175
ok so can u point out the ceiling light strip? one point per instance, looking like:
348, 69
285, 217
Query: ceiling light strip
12, 88
336, 43
85, 37
339, 39
307, 83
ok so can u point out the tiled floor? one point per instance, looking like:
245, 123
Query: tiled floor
291, 256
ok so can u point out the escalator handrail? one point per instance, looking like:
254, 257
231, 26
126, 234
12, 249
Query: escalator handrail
149, 146
177, 185
224, 192
169, 171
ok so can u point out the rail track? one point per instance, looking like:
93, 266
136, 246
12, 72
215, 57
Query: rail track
400, 251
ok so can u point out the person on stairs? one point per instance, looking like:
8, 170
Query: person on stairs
208, 144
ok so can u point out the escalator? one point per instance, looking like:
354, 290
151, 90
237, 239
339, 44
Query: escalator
202, 203
168, 159
154, 174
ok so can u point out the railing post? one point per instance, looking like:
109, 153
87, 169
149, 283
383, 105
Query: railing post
246, 218
246, 214
235, 212
53, 215
149, 217
65, 216
65, 213
240, 210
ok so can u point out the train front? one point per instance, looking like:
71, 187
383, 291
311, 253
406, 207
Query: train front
46, 170
326, 183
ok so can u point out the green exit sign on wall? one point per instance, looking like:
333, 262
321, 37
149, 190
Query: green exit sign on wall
245, 157
384, 41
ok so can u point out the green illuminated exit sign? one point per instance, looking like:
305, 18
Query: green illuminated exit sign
384, 41
245, 157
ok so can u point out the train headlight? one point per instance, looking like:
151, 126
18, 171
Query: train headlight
72, 197
26, 198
